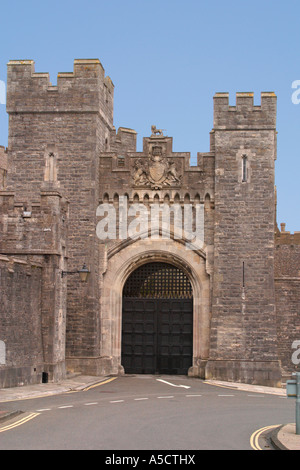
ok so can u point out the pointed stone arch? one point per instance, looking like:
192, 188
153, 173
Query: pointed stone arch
120, 264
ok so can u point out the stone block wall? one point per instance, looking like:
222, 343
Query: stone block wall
20, 321
33, 293
55, 135
287, 291
243, 332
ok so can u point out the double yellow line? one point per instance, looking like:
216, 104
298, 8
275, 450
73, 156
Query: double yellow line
256, 435
99, 383
34, 415
19, 422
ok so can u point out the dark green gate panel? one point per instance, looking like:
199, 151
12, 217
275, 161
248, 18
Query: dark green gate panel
157, 321
139, 336
175, 336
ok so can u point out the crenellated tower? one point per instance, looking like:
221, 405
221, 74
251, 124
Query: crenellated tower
243, 328
55, 136
71, 121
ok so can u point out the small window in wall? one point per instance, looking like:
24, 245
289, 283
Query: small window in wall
121, 161
2, 353
244, 168
50, 172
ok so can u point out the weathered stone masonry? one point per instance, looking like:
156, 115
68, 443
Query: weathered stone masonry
33, 294
64, 158
243, 335
287, 295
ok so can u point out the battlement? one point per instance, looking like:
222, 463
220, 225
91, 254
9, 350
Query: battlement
284, 237
287, 255
86, 89
3, 167
245, 115
3, 157
33, 227
124, 140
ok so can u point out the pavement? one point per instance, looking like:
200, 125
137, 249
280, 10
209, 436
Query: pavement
283, 437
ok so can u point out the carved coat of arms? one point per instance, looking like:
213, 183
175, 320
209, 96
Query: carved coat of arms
156, 171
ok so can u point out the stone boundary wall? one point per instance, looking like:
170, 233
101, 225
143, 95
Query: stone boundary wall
21, 349
32, 289
287, 292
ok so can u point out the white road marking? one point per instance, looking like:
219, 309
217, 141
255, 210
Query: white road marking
227, 395
160, 397
172, 385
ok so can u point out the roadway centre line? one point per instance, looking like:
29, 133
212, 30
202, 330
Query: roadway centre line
257, 396
227, 395
113, 401
144, 399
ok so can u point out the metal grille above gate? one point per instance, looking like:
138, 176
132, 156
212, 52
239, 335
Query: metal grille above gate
157, 321
158, 281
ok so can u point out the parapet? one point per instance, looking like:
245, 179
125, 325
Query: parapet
86, 89
124, 140
33, 227
283, 237
3, 158
3, 167
287, 255
245, 115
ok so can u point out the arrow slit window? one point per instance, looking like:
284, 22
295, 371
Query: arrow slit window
244, 168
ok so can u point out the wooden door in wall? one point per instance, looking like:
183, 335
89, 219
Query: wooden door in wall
157, 321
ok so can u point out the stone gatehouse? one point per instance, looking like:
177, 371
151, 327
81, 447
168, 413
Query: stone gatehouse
188, 272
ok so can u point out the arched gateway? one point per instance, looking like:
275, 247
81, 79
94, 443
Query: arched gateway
130, 208
157, 320
155, 310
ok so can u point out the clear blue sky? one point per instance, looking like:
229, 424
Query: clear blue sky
167, 58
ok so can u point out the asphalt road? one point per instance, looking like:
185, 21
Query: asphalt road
145, 413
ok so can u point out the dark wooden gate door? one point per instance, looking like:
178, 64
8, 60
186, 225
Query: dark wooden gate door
157, 321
